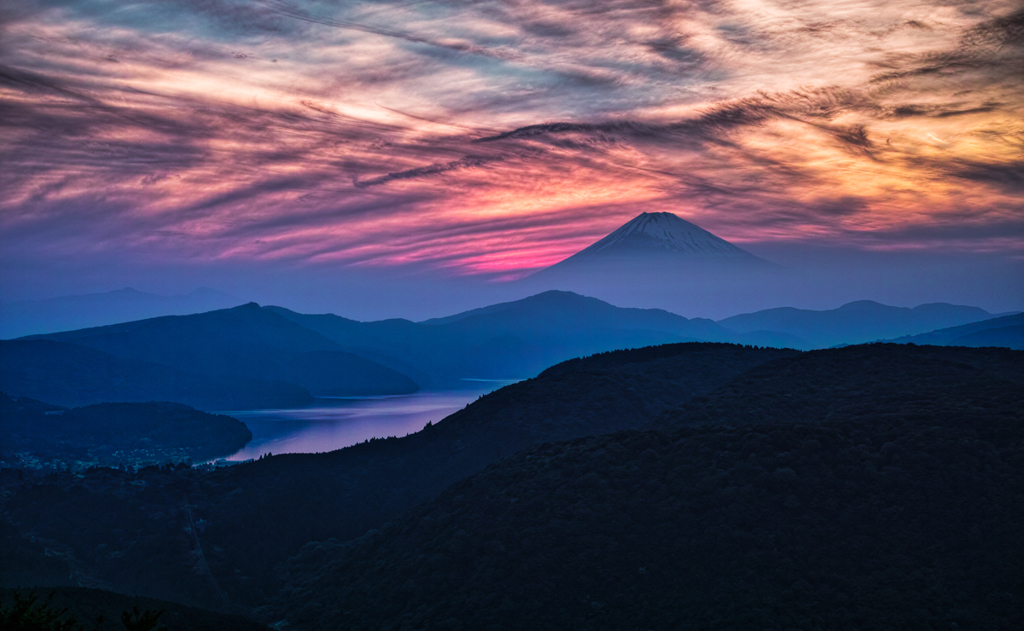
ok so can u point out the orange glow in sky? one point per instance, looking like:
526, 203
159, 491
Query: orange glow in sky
502, 137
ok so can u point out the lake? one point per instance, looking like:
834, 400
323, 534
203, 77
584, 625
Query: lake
332, 423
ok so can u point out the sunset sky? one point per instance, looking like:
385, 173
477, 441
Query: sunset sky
498, 137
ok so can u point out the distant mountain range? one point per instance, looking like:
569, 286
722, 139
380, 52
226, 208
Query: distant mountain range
1006, 331
253, 357
74, 312
511, 340
852, 323
660, 260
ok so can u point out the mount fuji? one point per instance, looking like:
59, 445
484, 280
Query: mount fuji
662, 236
660, 260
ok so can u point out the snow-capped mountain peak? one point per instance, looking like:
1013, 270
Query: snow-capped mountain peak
662, 233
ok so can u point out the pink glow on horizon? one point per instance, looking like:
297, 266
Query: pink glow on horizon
336, 139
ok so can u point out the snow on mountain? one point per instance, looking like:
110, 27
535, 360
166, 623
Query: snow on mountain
661, 233
658, 260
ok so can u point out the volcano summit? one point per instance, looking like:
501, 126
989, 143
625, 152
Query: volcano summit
659, 260
659, 234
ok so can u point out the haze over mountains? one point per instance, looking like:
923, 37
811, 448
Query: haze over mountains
257, 357
65, 313
509, 340
656, 260
247, 343
1005, 331
853, 323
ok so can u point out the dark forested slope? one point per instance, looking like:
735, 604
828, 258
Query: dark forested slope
344, 493
112, 434
102, 610
256, 515
862, 382
865, 515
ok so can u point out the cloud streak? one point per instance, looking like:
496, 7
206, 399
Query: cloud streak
496, 137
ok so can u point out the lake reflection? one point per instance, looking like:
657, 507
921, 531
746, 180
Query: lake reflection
333, 423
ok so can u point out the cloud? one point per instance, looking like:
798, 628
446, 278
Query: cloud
468, 162
485, 136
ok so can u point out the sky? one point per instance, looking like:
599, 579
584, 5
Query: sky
267, 143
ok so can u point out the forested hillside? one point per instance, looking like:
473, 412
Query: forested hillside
842, 489
783, 489
110, 434
256, 515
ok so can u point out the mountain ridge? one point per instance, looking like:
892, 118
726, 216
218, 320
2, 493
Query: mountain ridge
245, 341
64, 313
981, 333
854, 322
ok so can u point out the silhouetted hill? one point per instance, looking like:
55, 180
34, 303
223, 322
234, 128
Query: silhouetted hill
112, 434
74, 312
509, 340
559, 311
245, 341
1006, 336
1003, 331
344, 493
86, 605
728, 524
853, 323
258, 514
72, 375
863, 514
921, 383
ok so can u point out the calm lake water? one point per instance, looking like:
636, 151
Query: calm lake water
332, 423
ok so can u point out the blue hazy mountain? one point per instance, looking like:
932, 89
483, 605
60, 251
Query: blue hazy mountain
245, 341
65, 313
852, 323
511, 340
71, 375
1007, 331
